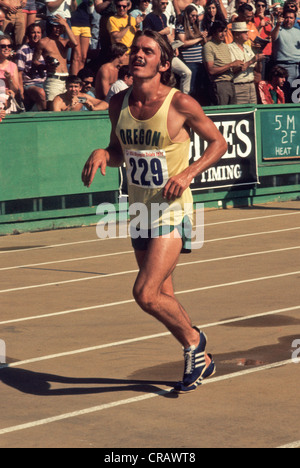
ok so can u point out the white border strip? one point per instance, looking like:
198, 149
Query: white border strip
292, 445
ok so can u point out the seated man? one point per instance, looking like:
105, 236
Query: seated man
271, 92
55, 50
31, 79
74, 100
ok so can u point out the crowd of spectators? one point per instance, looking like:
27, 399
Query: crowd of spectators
70, 55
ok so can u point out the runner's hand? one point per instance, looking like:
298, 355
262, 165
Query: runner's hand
176, 186
97, 160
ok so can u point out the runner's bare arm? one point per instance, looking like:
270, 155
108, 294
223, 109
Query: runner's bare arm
112, 156
193, 118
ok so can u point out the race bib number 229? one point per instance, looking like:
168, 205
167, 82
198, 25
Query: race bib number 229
147, 169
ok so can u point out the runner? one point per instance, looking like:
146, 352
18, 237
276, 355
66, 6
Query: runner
151, 125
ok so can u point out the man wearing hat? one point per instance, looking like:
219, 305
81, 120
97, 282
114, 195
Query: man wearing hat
244, 79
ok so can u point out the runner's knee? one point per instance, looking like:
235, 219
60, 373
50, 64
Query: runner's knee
144, 297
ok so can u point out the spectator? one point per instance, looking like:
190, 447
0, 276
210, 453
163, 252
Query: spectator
245, 14
87, 78
122, 27
9, 78
30, 11
124, 81
81, 27
8, 69
87, 87
106, 8
199, 6
293, 5
193, 40
55, 49
108, 73
213, 12
73, 99
157, 21
286, 50
219, 65
144, 8
14, 24
244, 80
233, 9
263, 24
2, 19
271, 92
31, 79
63, 8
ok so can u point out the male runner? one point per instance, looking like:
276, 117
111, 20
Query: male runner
151, 126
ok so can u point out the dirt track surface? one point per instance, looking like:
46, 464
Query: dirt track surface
87, 368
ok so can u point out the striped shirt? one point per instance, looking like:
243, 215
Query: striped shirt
190, 54
24, 62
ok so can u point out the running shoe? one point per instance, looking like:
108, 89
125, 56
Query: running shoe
195, 369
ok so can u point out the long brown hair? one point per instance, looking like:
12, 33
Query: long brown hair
192, 31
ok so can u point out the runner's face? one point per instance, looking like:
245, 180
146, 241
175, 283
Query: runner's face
145, 59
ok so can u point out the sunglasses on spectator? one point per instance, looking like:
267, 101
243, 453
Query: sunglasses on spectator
164, 3
5, 46
122, 7
259, 5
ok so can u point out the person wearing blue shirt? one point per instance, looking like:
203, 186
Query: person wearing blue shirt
286, 47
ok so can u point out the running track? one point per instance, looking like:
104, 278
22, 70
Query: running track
87, 368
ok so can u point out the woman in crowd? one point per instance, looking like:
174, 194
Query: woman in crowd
214, 11
9, 77
191, 52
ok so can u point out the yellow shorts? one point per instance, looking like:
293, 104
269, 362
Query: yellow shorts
82, 31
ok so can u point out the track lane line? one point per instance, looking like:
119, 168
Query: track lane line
120, 273
51, 246
92, 257
143, 338
137, 399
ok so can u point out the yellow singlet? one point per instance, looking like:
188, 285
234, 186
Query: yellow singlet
152, 158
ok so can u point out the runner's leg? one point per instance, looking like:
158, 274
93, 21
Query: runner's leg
154, 290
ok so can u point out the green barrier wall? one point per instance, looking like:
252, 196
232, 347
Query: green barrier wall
42, 156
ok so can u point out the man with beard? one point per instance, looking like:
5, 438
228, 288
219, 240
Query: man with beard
151, 124
55, 50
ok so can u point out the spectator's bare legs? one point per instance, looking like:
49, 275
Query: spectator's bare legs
80, 54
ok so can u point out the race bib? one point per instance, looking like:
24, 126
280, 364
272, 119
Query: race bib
147, 169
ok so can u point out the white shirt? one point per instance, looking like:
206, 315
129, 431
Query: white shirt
245, 55
64, 10
116, 88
